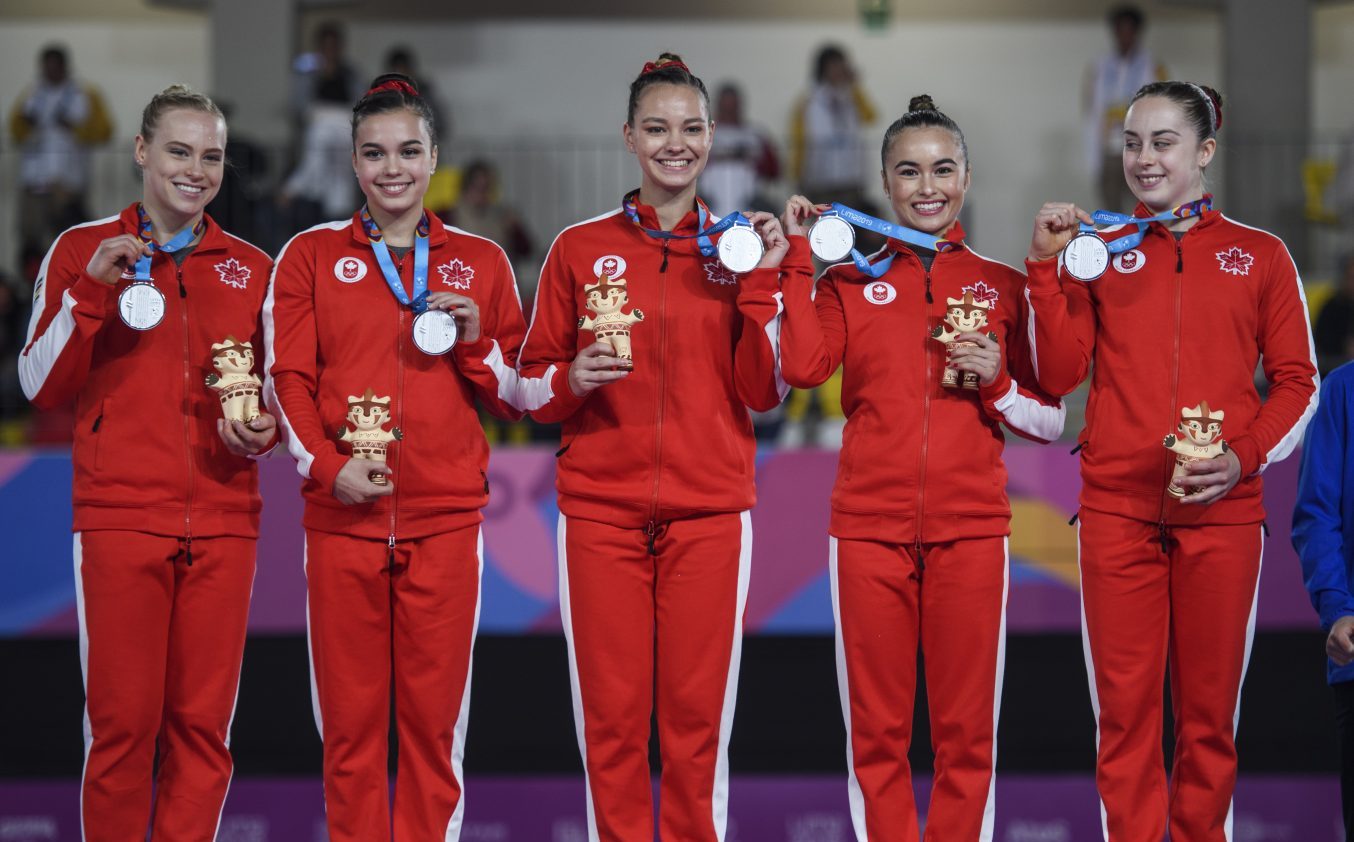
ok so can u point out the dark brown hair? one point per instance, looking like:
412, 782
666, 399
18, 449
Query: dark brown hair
393, 92
922, 113
1202, 105
667, 70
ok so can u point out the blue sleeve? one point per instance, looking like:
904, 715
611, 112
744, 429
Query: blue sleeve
1318, 534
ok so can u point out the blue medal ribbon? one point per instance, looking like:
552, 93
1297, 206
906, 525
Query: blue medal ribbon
891, 230
1131, 241
419, 303
178, 241
702, 237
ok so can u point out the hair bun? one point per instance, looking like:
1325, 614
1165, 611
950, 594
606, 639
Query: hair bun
396, 82
1217, 105
666, 61
922, 103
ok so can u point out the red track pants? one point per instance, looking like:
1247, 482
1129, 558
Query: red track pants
160, 648
655, 623
1192, 608
403, 619
953, 606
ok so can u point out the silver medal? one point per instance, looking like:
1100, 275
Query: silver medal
831, 239
740, 249
141, 306
1086, 257
435, 332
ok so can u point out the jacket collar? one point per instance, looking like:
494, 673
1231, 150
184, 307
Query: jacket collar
954, 235
1206, 218
648, 217
213, 238
437, 230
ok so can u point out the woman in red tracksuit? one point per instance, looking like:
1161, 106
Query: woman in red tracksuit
393, 546
651, 352
1170, 556
166, 498
920, 516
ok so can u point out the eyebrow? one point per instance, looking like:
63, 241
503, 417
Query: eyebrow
371, 144
950, 161
1155, 133
186, 145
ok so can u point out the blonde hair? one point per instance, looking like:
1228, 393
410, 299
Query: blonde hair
172, 97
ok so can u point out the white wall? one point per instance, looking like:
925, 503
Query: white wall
1014, 86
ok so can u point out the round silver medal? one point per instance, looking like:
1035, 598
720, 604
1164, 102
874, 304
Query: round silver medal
1086, 257
740, 249
831, 239
141, 306
435, 332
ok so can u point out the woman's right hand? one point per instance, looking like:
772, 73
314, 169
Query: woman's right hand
1054, 227
352, 486
798, 211
116, 255
597, 365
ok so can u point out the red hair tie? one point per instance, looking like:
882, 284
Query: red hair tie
663, 64
394, 85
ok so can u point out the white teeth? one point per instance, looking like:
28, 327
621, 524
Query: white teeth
675, 165
927, 207
189, 189
394, 188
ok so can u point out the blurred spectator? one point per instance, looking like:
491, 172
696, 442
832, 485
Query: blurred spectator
1334, 329
324, 89
237, 206
14, 312
1110, 85
740, 157
828, 156
401, 60
480, 210
54, 122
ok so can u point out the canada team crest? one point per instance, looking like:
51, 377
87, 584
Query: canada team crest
717, 273
983, 295
233, 273
456, 274
611, 266
350, 270
880, 292
1130, 261
1235, 261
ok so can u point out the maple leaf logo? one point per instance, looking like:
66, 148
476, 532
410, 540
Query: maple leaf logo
1236, 261
982, 293
456, 274
717, 273
233, 273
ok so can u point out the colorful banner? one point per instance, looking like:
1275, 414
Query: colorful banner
789, 591
1030, 808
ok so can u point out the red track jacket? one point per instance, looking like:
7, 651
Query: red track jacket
674, 438
920, 462
333, 329
1170, 325
146, 452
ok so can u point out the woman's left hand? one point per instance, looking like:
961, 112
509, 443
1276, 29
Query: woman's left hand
773, 238
246, 439
1215, 476
463, 309
983, 357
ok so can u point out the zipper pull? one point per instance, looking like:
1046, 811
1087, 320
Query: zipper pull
1078, 448
1073, 520
651, 530
921, 558
1164, 537
183, 291
929, 299
390, 557
1179, 258
97, 422
188, 549
664, 267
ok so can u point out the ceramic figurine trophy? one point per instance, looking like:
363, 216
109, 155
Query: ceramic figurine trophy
964, 315
234, 381
1199, 437
368, 416
606, 299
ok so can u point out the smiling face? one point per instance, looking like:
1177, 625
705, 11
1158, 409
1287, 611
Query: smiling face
1199, 431
967, 318
1163, 158
234, 361
368, 416
182, 164
394, 159
670, 135
610, 302
926, 177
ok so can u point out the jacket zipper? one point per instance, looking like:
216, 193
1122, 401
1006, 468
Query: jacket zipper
399, 417
1175, 386
658, 421
925, 432
187, 418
